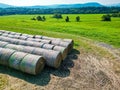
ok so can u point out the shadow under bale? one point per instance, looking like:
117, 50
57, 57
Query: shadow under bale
44, 78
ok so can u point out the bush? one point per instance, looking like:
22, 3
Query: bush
39, 18
116, 14
77, 18
67, 19
44, 18
57, 16
33, 18
106, 17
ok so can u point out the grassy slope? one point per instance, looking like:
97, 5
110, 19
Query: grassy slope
90, 26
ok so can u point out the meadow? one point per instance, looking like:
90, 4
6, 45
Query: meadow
90, 26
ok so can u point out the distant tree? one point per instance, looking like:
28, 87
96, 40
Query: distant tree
77, 18
39, 18
44, 18
67, 19
106, 17
116, 14
57, 16
33, 18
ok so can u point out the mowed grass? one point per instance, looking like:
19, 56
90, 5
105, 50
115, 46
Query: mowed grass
90, 27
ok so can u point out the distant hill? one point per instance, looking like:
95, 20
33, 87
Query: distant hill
115, 5
91, 4
5, 5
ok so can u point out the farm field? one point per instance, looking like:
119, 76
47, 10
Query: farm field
93, 64
90, 26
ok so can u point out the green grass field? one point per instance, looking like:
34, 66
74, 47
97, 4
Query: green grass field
90, 27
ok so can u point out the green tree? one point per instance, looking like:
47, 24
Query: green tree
67, 19
77, 18
39, 18
57, 16
33, 18
44, 18
106, 17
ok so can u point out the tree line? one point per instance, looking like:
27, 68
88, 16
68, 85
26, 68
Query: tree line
82, 10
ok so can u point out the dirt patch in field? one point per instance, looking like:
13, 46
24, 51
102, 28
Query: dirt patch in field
79, 71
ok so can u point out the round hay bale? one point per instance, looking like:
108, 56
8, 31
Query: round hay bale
15, 60
33, 39
15, 47
38, 44
53, 58
29, 43
48, 46
32, 64
10, 36
2, 31
27, 35
18, 34
64, 42
12, 33
22, 42
55, 42
47, 38
49, 55
13, 36
30, 36
28, 49
61, 43
63, 51
13, 41
71, 42
21, 48
5, 55
3, 44
38, 36
5, 34
23, 37
1, 38
39, 40
46, 41
6, 39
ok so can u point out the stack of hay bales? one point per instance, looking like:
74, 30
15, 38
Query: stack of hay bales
25, 62
24, 50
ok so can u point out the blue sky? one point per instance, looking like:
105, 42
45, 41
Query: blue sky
49, 2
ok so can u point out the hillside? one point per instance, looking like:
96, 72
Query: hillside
70, 5
5, 5
91, 4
